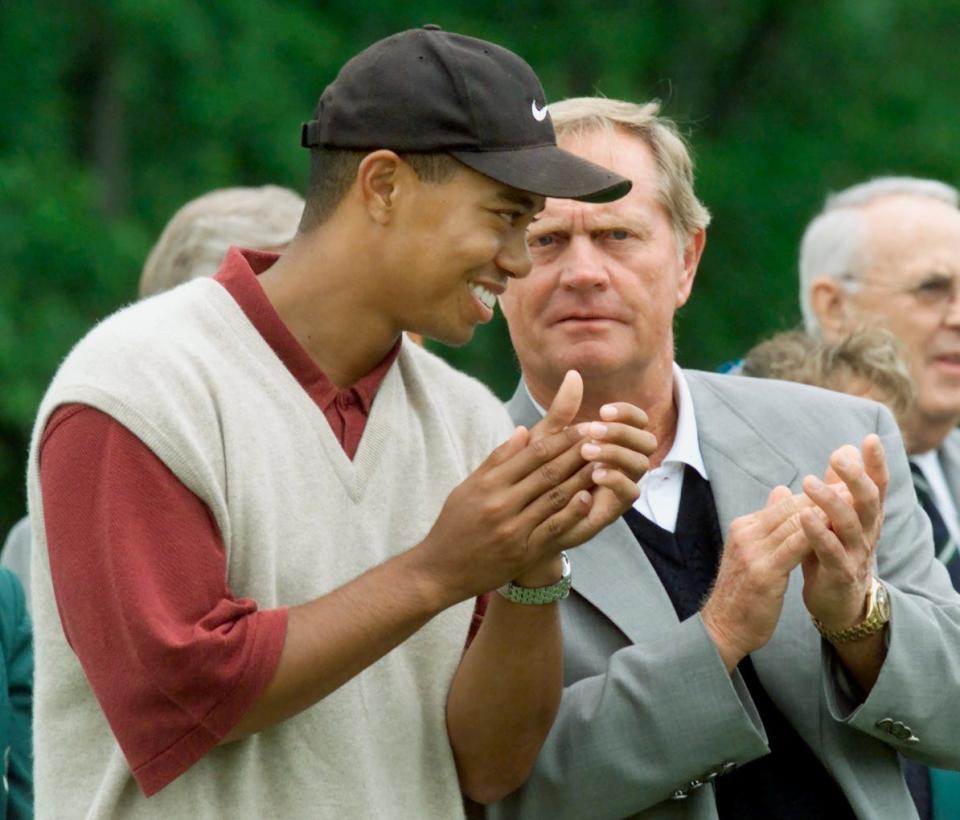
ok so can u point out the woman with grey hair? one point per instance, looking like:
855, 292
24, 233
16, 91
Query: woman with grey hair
195, 240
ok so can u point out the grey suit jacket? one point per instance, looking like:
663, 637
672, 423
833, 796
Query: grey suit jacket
650, 716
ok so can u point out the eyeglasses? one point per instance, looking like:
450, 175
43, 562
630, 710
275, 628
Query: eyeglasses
930, 290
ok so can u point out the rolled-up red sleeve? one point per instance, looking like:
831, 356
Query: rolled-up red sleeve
139, 573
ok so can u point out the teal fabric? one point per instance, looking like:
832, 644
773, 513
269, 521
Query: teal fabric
945, 794
16, 700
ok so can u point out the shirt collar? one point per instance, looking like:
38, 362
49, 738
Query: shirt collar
686, 443
238, 274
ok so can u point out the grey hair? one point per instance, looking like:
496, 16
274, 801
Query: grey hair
198, 235
580, 115
835, 242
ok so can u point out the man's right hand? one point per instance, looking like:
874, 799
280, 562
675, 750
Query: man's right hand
761, 551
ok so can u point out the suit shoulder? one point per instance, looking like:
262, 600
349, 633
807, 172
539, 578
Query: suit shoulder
952, 443
765, 394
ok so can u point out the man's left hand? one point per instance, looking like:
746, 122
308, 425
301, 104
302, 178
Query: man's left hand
843, 533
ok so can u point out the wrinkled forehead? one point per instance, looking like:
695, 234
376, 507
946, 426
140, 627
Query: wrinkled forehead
597, 142
909, 232
640, 211
566, 215
621, 151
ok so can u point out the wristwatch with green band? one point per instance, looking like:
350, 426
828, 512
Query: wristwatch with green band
537, 596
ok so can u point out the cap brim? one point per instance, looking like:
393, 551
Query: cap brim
548, 171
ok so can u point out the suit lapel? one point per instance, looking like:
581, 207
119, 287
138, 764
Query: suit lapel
742, 464
613, 573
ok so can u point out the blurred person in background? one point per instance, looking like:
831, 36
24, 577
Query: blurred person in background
15, 555
16, 700
887, 251
866, 363
747, 641
197, 237
192, 245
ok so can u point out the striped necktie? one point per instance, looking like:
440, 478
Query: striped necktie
944, 544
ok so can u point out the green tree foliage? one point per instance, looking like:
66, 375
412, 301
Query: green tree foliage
115, 112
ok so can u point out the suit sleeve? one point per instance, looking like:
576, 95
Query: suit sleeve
663, 716
913, 704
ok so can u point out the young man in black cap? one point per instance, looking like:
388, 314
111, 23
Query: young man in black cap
263, 518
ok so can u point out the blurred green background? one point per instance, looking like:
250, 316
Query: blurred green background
116, 113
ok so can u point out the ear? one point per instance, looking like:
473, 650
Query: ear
828, 299
691, 260
379, 179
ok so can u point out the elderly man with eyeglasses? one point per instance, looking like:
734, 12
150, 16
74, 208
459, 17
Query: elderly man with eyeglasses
887, 252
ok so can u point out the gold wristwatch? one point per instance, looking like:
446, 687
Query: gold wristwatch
878, 613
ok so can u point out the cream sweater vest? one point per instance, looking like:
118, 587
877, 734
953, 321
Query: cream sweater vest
189, 375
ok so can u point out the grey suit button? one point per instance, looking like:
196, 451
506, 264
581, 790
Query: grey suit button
906, 734
695, 784
885, 725
710, 776
728, 767
679, 794
901, 731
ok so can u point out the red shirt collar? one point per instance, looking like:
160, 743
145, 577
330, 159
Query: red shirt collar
238, 274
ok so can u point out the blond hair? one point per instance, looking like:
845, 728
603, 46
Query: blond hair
195, 240
580, 115
871, 354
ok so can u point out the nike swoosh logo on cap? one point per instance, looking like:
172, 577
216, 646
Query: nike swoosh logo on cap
539, 114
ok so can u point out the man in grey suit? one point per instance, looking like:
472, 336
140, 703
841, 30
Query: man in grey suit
887, 252
748, 641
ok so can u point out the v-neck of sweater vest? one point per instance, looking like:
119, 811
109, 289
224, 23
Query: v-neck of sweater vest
261, 330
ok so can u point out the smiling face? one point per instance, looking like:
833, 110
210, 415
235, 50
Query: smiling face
606, 279
909, 283
457, 244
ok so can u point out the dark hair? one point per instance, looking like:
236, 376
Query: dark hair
333, 171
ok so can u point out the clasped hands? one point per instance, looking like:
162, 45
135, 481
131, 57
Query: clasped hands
544, 490
831, 530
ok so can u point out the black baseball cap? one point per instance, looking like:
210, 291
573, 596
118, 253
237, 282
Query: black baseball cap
432, 91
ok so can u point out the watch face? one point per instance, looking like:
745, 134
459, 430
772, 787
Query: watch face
883, 603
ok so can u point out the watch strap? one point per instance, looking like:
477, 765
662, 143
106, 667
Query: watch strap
878, 614
538, 596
